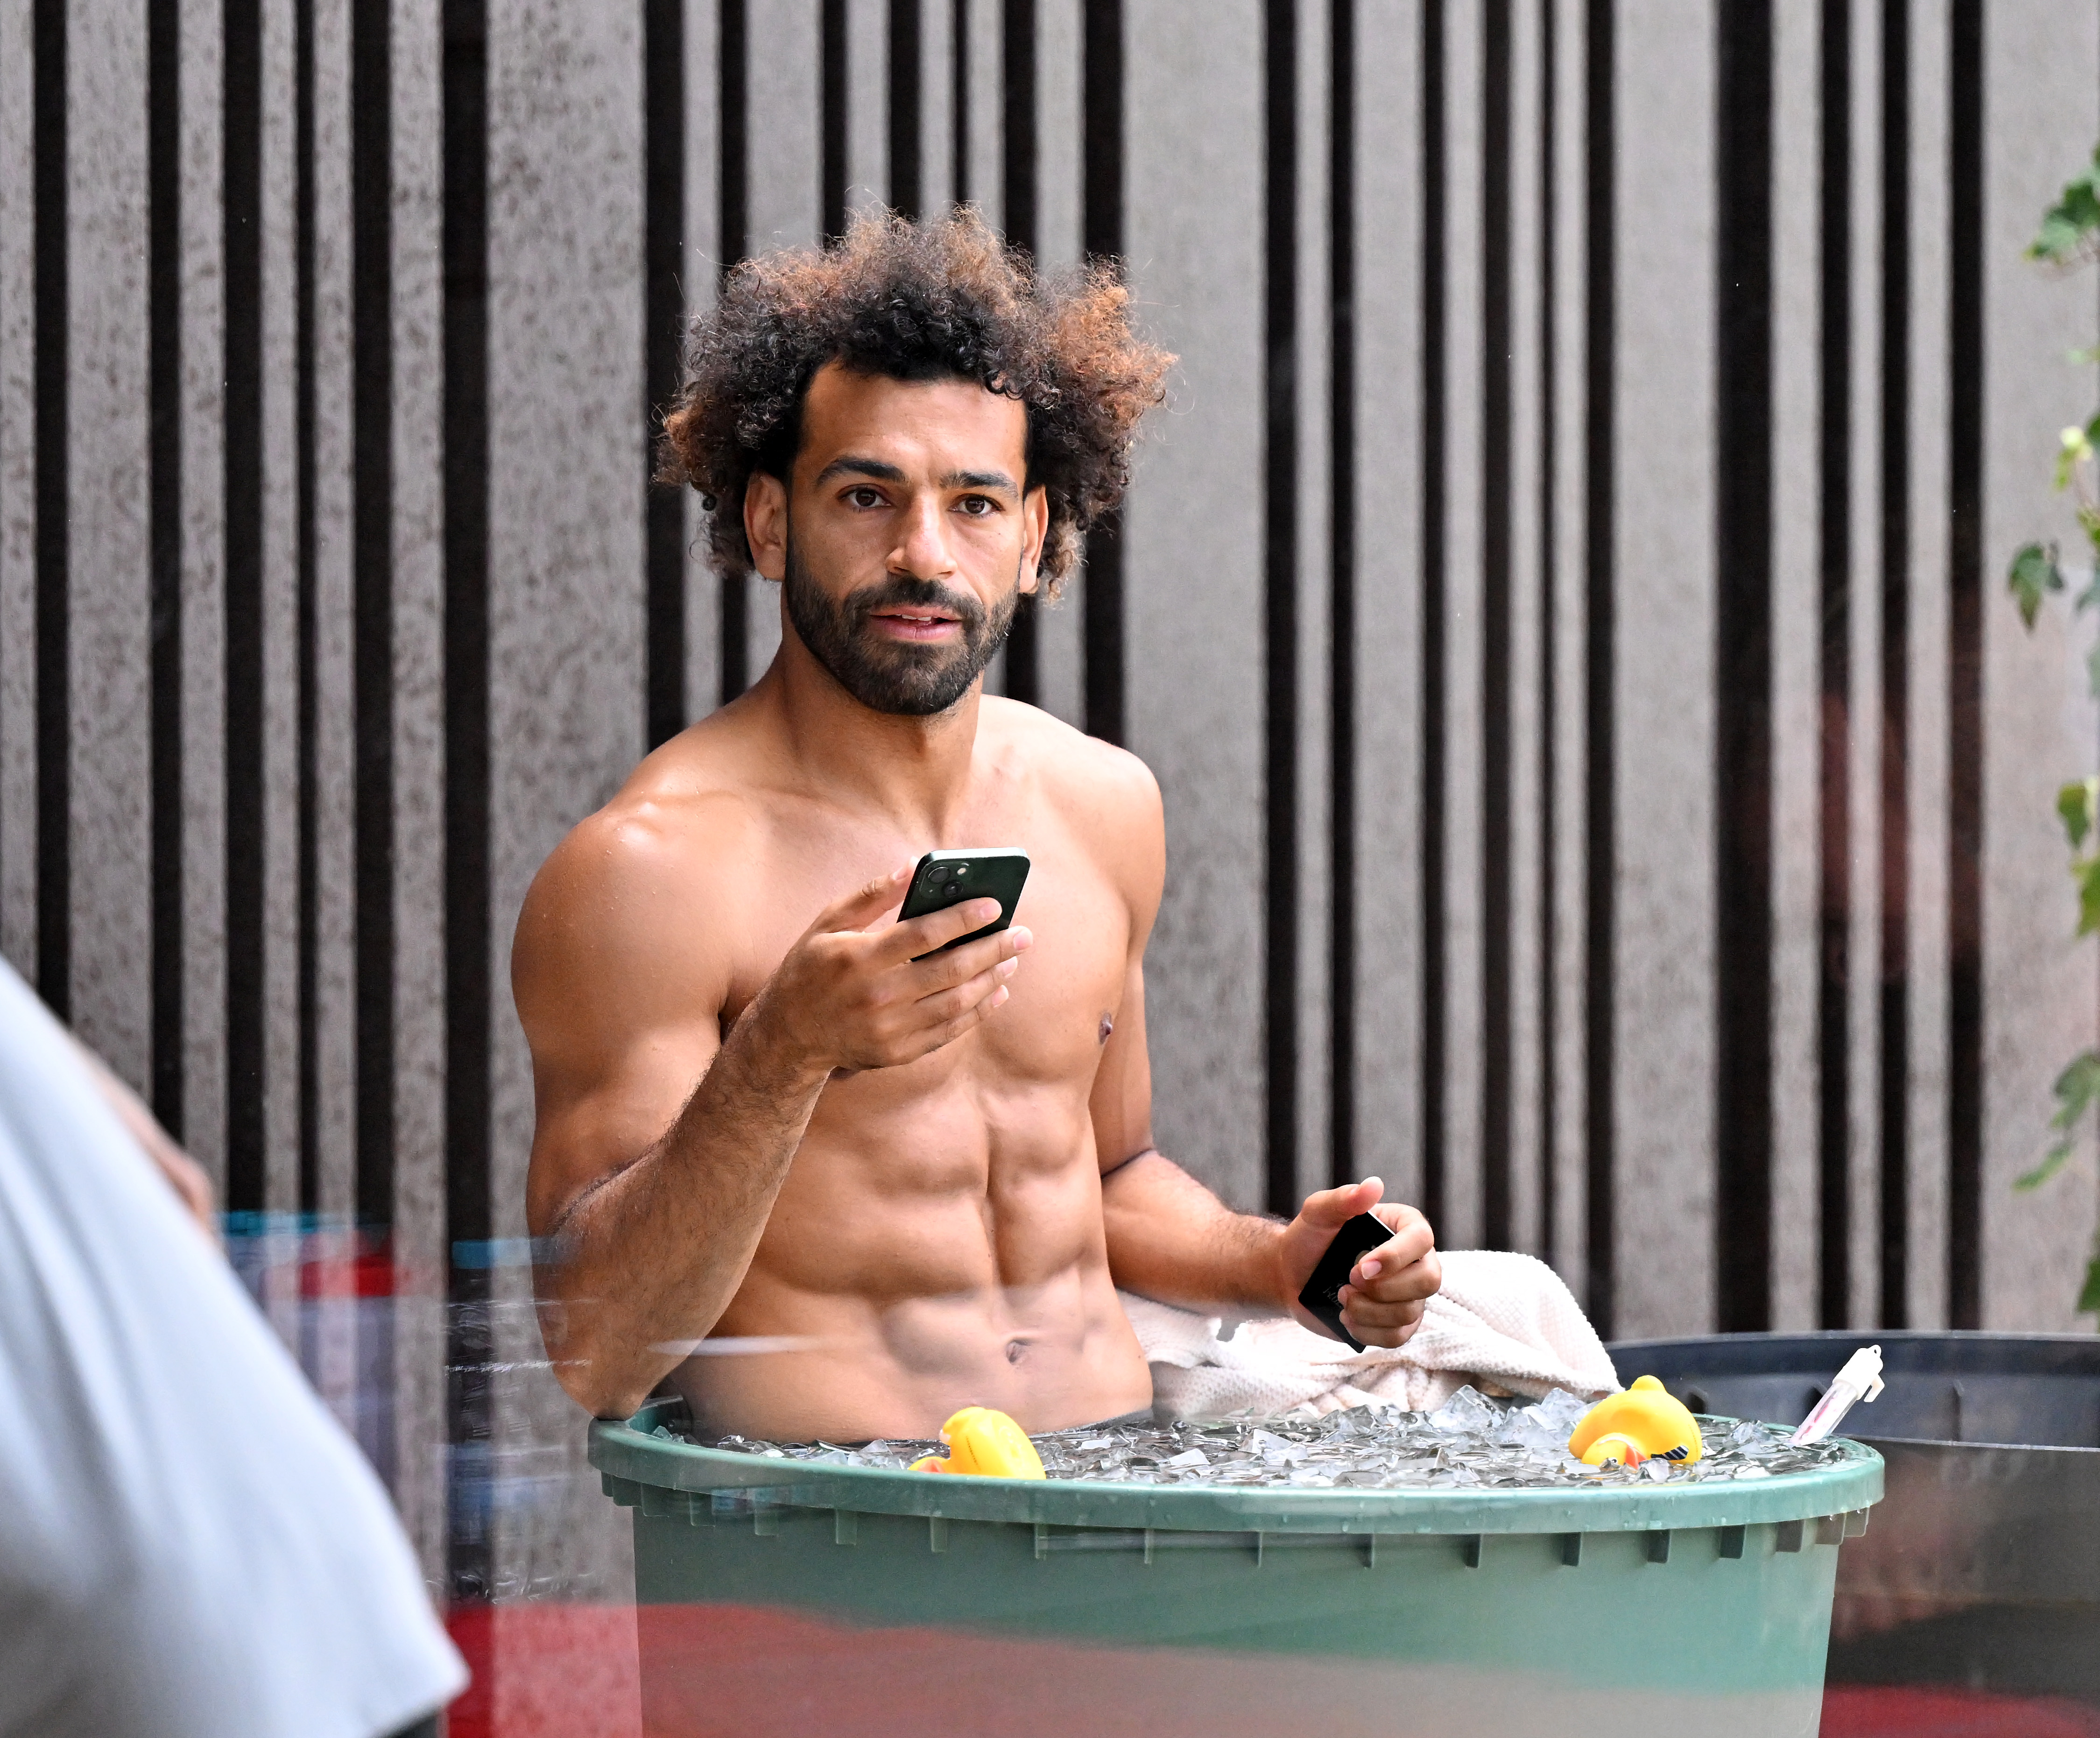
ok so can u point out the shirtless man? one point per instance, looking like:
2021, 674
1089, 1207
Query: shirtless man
762, 1118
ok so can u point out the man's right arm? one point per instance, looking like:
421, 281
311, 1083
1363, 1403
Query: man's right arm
660, 1143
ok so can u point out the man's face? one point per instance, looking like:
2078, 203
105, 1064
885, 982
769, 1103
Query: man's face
905, 540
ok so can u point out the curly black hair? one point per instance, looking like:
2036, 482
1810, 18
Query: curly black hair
925, 301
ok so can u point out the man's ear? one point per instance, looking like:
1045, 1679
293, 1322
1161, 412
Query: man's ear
765, 524
1035, 519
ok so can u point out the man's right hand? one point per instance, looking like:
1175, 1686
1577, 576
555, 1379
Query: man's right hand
851, 996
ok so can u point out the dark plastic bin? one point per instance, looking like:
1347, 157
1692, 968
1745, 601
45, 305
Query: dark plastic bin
1982, 1570
878, 1601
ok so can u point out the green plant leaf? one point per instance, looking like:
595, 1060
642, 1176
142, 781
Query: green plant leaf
2063, 237
2068, 226
2075, 1089
2087, 874
2076, 804
2034, 575
2089, 1300
2052, 1162
2072, 448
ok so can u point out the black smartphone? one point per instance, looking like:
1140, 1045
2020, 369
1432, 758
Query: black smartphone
946, 878
1323, 1295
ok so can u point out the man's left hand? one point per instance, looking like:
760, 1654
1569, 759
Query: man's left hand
1382, 1303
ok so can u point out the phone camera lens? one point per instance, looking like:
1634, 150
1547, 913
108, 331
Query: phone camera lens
938, 874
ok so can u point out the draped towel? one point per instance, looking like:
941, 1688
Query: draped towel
1504, 1323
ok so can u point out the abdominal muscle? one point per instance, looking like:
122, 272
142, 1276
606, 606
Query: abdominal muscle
965, 1266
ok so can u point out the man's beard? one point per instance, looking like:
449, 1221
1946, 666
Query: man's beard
889, 675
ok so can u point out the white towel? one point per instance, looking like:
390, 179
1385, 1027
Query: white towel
1505, 1323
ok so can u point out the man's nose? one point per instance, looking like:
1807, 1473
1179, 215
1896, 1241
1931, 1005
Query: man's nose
922, 551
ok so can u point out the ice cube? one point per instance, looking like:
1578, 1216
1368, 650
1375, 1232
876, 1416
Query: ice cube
1524, 1428
1468, 1409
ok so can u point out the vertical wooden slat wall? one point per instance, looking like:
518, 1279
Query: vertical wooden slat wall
1659, 874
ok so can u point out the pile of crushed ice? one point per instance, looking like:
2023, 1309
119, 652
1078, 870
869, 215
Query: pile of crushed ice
1471, 1441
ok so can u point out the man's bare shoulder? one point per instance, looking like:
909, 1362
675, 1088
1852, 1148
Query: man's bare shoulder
621, 888
1070, 765
1107, 794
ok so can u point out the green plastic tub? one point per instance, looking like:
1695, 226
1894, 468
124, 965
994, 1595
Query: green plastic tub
784, 1596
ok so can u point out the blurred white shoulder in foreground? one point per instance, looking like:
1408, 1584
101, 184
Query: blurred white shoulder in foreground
189, 1543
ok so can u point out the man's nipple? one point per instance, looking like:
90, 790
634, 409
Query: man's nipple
1108, 1026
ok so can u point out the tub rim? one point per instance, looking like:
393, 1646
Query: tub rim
626, 1450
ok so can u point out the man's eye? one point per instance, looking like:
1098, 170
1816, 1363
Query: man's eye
977, 506
864, 497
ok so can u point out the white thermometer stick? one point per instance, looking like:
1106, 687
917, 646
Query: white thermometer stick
1860, 1379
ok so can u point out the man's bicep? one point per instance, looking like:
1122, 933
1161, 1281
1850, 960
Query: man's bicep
619, 998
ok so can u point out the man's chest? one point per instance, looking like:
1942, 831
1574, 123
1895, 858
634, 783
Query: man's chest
1069, 981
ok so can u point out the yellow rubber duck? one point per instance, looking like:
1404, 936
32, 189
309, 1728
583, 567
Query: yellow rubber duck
986, 1443
1642, 1423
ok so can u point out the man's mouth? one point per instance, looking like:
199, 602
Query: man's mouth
915, 623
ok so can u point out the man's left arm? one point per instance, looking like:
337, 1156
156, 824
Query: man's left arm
1170, 1238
